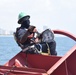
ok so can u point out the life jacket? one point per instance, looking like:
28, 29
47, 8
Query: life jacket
26, 42
31, 36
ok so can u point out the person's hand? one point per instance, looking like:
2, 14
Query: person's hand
39, 36
31, 28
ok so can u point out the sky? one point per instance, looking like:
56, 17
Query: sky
53, 14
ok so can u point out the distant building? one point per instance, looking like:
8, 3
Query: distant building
2, 31
5, 32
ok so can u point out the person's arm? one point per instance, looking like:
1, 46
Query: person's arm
24, 38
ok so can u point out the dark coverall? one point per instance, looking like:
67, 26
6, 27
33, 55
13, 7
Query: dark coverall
42, 45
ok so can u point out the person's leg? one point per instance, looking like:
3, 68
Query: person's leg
52, 46
42, 46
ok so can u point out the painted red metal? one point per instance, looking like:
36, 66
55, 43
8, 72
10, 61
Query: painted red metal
33, 60
34, 64
62, 32
20, 70
56, 65
66, 65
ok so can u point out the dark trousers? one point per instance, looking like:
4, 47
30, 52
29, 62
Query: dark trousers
44, 47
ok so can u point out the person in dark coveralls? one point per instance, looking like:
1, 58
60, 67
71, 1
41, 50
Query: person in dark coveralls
26, 32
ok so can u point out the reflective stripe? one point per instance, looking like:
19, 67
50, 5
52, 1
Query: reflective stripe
40, 47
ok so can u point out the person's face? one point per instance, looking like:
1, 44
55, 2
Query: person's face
26, 23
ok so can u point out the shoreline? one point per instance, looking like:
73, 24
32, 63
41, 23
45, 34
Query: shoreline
6, 35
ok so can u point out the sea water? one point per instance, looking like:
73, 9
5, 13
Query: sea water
9, 47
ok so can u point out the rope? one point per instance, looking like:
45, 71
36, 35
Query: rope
9, 70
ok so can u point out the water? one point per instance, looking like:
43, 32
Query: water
9, 48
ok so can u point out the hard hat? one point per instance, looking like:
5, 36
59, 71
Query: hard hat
22, 16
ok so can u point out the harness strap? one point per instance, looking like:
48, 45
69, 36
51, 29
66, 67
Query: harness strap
18, 42
48, 49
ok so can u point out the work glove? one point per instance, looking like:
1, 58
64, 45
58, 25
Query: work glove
39, 36
31, 28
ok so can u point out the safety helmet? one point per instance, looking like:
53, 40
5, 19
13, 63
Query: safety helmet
21, 16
